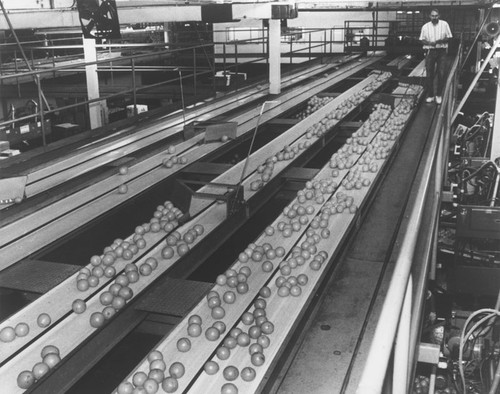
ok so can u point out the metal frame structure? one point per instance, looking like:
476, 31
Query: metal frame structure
398, 322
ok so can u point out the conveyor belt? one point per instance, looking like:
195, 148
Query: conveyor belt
330, 345
258, 159
39, 222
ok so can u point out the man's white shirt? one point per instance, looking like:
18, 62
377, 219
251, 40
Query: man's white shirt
433, 33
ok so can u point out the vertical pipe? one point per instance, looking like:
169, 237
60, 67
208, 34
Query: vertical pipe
134, 85
401, 351
40, 109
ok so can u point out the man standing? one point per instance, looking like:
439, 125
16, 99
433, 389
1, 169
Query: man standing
434, 35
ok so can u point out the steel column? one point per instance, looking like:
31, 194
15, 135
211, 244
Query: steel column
274, 56
90, 55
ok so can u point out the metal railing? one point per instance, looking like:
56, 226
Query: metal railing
398, 328
206, 62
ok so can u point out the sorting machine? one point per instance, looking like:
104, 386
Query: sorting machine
160, 291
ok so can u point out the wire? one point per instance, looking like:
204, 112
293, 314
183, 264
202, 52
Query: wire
491, 313
489, 163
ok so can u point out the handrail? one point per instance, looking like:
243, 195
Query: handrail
432, 164
160, 54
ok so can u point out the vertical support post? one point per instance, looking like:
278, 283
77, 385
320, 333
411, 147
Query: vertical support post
478, 47
402, 347
236, 64
214, 70
224, 59
182, 100
266, 49
53, 60
134, 85
495, 138
265, 43
165, 33
275, 56
194, 71
40, 109
310, 45
95, 108
432, 380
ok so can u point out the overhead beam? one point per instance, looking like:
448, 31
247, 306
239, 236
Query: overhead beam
147, 13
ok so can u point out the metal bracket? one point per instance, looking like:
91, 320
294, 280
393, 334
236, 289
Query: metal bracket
230, 194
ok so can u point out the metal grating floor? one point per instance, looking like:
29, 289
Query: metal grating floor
36, 276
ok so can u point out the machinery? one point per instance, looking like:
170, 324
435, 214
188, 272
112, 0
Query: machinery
273, 236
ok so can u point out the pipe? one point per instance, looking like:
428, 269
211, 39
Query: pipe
495, 190
476, 78
496, 381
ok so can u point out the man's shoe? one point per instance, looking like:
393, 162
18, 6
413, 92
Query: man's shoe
429, 99
439, 100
